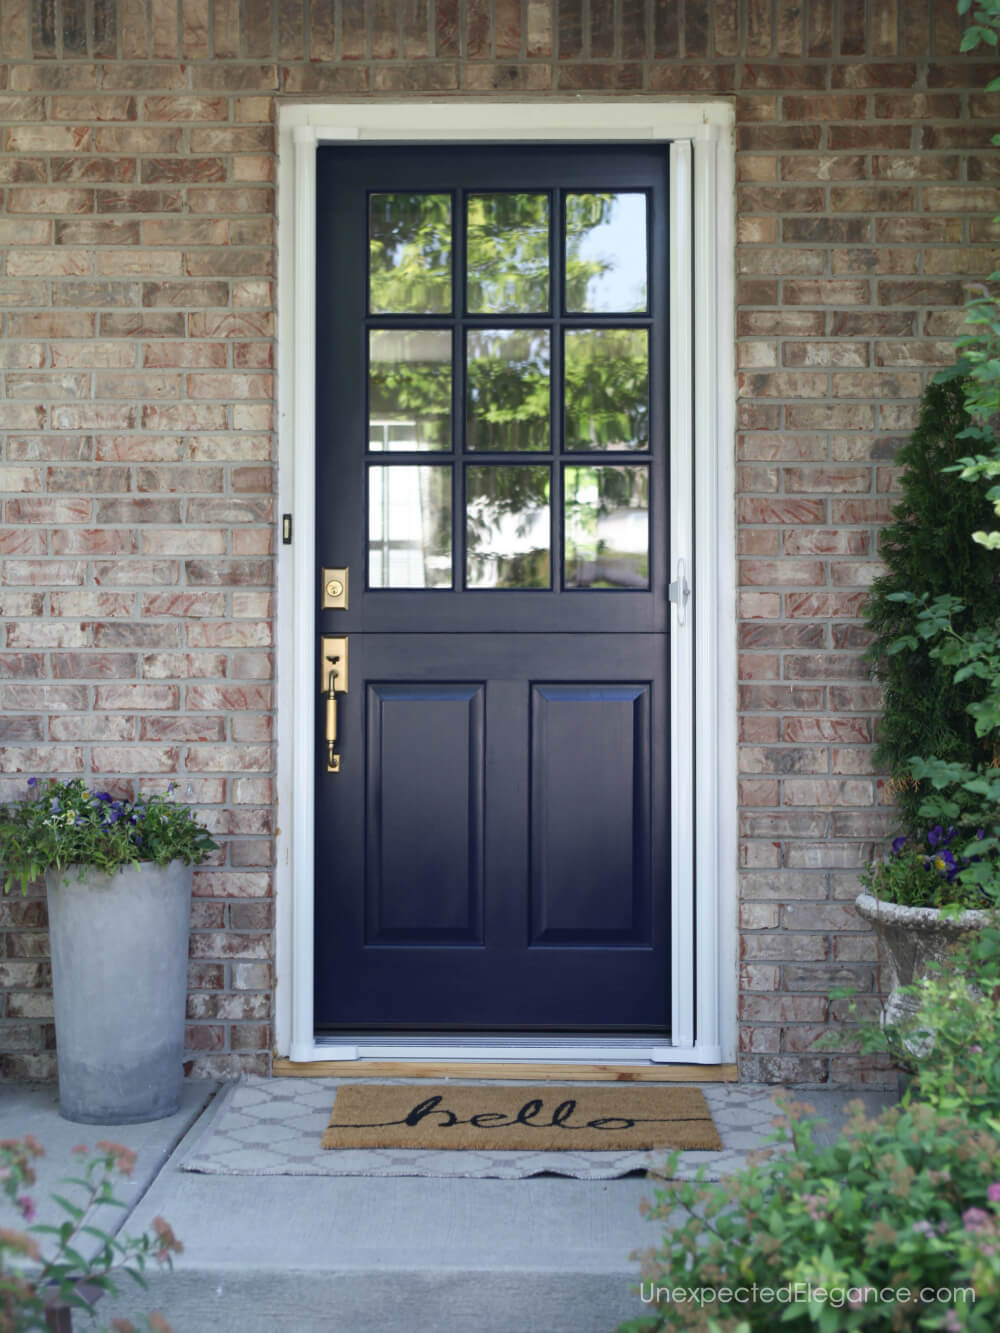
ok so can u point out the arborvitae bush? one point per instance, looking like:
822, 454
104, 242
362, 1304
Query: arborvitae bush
928, 548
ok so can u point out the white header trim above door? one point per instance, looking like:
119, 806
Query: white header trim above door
702, 549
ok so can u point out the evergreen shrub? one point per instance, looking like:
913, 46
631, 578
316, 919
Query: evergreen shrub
928, 553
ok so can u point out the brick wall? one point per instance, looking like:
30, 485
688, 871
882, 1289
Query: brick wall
136, 448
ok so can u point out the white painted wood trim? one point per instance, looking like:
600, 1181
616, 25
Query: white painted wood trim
706, 395
704, 922
725, 698
682, 974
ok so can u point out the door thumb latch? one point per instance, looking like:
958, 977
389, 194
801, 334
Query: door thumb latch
679, 591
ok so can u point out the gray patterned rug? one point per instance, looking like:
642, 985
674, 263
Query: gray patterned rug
273, 1127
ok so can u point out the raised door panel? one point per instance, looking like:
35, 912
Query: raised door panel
424, 778
590, 814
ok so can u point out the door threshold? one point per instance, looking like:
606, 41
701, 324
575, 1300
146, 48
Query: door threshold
536, 1071
538, 1056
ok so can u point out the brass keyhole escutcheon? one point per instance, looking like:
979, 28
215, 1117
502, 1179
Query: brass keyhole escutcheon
334, 588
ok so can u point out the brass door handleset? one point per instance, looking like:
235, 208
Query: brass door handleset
333, 672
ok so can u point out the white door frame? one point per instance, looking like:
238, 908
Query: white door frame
702, 555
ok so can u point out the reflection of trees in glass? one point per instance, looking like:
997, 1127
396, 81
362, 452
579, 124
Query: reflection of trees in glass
606, 252
607, 389
507, 253
507, 378
607, 526
508, 396
409, 254
409, 389
507, 527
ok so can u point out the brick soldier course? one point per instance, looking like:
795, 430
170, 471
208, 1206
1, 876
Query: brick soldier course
137, 234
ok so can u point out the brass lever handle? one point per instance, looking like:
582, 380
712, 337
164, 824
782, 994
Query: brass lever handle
332, 757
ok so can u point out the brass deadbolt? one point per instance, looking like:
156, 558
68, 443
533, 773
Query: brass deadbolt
334, 590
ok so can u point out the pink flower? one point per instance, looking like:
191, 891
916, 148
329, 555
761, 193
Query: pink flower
27, 1207
993, 1193
975, 1219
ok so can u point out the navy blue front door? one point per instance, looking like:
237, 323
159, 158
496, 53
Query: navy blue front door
492, 852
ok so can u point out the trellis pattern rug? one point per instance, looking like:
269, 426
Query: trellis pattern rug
273, 1127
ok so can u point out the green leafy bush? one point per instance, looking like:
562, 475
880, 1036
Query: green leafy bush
31, 1279
63, 824
907, 1203
929, 555
952, 1043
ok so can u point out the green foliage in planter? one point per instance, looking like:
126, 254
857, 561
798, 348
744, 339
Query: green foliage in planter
949, 867
63, 824
44, 1264
928, 553
910, 1200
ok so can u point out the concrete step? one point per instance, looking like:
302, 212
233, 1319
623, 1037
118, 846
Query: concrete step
279, 1253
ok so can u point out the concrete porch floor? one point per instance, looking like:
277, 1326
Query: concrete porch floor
349, 1254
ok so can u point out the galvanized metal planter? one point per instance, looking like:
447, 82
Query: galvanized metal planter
119, 978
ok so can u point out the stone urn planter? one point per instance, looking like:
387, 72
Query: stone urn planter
913, 938
119, 978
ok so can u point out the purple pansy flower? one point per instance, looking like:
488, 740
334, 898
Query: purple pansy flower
898, 844
32, 782
945, 862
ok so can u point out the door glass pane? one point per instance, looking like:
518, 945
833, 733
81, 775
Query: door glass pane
409, 527
507, 389
607, 389
606, 254
409, 389
507, 527
607, 526
507, 253
409, 254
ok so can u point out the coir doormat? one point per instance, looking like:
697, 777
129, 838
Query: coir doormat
543, 1118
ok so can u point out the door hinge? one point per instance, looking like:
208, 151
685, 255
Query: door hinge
679, 591
286, 529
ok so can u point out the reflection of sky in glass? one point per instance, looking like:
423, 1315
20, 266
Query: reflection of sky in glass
409, 527
618, 243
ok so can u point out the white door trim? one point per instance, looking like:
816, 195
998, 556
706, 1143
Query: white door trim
702, 549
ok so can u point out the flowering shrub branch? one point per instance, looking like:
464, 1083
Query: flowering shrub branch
31, 1282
